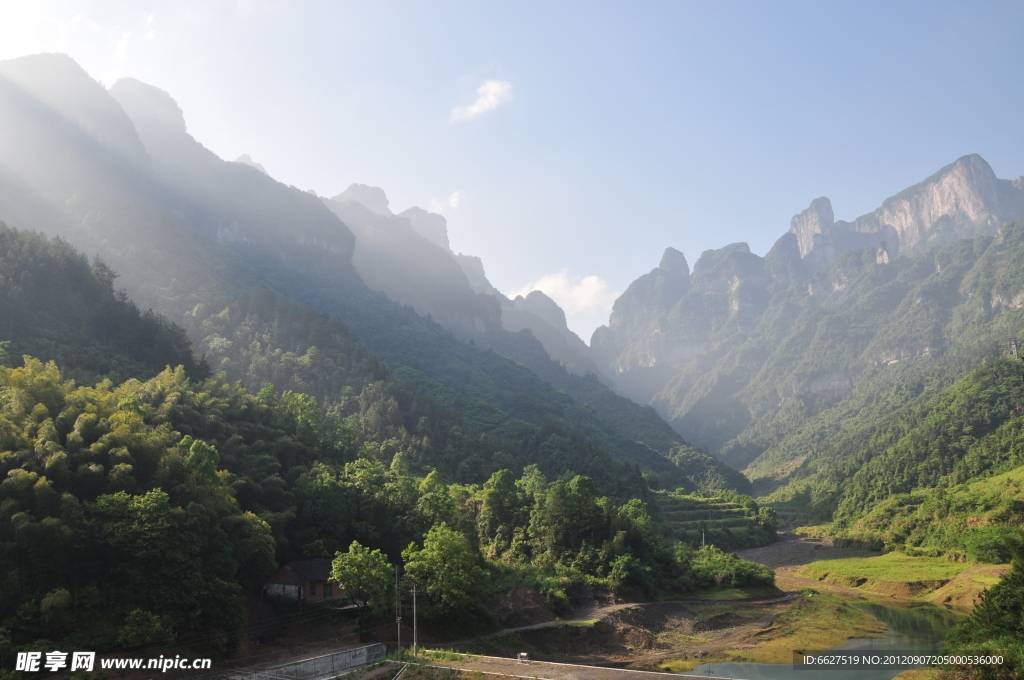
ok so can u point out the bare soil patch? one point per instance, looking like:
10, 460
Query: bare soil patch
521, 607
793, 550
964, 592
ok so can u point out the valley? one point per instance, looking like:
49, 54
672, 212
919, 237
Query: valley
325, 413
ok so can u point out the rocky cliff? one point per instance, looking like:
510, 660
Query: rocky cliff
743, 343
669, 316
962, 200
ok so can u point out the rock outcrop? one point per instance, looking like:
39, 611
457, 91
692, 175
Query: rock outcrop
373, 198
813, 230
962, 200
638, 312
246, 159
473, 268
430, 226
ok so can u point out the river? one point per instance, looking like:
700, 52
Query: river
919, 628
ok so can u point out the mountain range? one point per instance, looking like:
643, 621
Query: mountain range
735, 364
315, 374
743, 350
224, 250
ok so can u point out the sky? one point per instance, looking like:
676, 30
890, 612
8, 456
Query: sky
568, 144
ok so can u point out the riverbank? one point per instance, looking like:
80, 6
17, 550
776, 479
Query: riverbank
833, 597
890, 577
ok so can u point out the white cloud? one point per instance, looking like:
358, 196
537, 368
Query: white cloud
577, 295
490, 95
586, 300
121, 46
452, 202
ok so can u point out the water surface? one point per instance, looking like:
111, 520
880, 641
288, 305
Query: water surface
920, 628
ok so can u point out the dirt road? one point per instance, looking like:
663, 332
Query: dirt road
600, 612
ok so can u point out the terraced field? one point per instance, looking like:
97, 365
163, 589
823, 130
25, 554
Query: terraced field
725, 523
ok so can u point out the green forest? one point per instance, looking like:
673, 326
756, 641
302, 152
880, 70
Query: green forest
144, 499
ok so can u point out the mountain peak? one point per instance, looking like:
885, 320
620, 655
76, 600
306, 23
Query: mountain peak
973, 162
817, 218
962, 200
674, 261
57, 82
246, 159
544, 307
711, 258
430, 226
373, 198
147, 102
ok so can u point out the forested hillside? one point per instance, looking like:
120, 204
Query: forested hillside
943, 474
54, 304
151, 503
840, 358
955, 302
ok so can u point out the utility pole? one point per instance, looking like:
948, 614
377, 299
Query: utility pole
1013, 346
414, 639
398, 611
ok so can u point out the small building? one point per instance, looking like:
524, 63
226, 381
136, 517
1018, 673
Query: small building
305, 581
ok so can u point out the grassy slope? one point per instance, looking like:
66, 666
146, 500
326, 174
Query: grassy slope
895, 567
725, 523
942, 518
953, 585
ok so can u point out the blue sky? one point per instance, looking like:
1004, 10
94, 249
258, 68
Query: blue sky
616, 129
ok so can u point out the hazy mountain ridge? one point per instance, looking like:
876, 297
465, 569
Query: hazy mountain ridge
546, 321
193, 233
408, 257
228, 202
743, 352
392, 257
60, 84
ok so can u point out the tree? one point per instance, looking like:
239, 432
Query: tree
995, 627
500, 507
448, 567
365, 576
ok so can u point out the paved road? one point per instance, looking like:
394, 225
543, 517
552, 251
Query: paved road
558, 671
